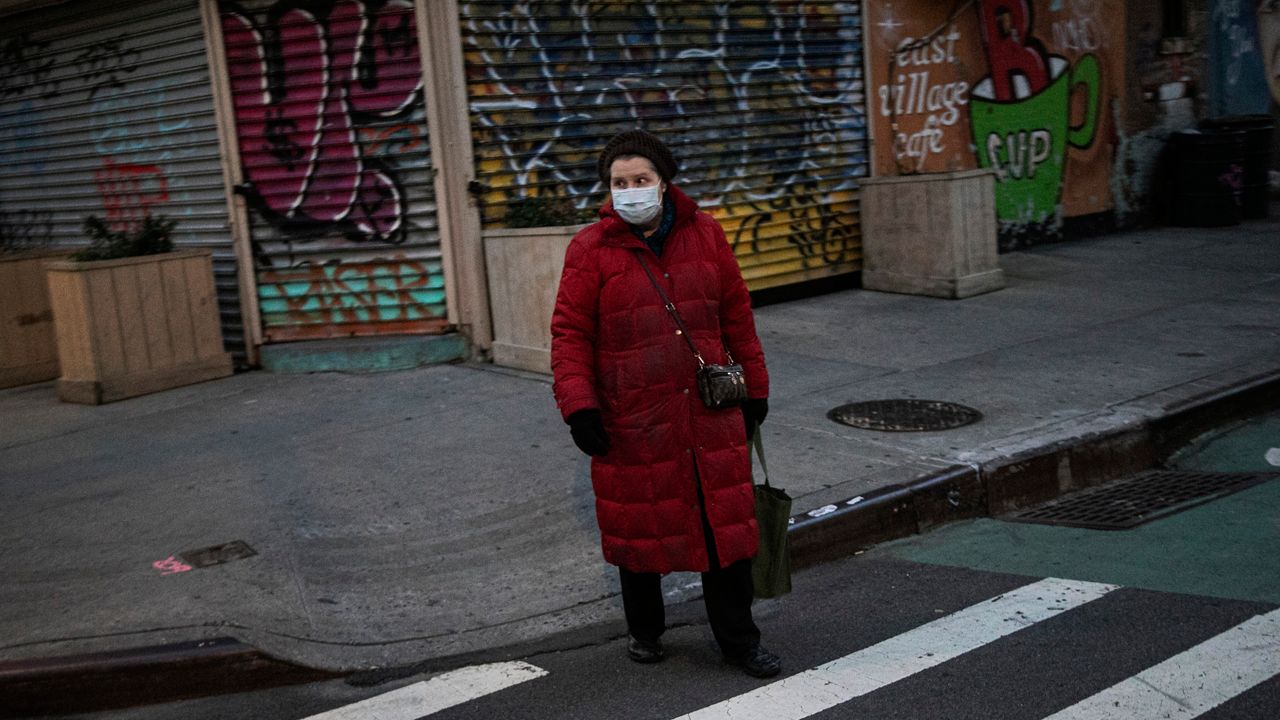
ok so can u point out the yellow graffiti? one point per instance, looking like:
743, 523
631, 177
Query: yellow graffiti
760, 101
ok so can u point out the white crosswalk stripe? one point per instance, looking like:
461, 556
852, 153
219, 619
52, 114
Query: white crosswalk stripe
859, 673
1193, 682
1185, 686
440, 692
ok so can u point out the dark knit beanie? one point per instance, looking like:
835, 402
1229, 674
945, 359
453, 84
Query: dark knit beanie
637, 142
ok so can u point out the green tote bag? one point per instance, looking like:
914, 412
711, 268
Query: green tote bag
771, 568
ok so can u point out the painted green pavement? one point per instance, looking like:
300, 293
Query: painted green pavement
1253, 446
1228, 548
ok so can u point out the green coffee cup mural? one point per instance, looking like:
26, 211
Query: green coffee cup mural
1025, 138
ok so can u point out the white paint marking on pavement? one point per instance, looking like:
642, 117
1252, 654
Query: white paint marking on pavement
859, 673
1194, 682
440, 692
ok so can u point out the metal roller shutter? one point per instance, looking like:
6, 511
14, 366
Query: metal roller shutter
761, 101
105, 109
333, 141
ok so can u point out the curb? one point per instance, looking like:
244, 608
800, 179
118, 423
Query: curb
163, 673
1020, 480
93, 682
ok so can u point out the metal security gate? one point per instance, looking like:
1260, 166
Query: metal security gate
331, 125
105, 109
762, 103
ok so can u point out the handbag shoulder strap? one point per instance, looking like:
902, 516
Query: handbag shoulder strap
671, 308
758, 444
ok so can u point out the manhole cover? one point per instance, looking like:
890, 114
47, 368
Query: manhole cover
1139, 499
218, 554
905, 415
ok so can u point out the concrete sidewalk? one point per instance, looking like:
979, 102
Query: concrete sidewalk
410, 516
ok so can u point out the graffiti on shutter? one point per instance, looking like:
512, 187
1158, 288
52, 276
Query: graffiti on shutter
761, 102
333, 142
106, 109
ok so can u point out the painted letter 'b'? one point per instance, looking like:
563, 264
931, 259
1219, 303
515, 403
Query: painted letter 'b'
1009, 48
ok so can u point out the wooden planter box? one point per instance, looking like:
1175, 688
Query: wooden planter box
28, 353
932, 234
136, 325
524, 266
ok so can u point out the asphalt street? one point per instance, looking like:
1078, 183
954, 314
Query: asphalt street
990, 620
425, 514
922, 642
388, 535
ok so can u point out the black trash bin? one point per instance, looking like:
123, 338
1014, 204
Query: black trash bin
1207, 178
1257, 131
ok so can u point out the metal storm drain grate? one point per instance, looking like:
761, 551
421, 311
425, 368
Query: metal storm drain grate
218, 554
905, 415
1139, 499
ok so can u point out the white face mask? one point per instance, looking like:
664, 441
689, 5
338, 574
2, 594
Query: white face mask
638, 206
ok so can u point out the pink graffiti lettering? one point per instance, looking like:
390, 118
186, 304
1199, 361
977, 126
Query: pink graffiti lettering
129, 191
1011, 51
171, 566
298, 101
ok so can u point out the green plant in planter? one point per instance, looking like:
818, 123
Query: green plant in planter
546, 211
151, 238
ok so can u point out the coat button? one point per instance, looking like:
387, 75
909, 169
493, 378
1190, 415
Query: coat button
685, 391
666, 275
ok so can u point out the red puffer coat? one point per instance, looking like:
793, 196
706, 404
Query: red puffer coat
615, 347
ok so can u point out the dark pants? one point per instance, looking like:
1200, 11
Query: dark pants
726, 592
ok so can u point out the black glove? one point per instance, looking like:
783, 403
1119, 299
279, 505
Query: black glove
753, 412
588, 432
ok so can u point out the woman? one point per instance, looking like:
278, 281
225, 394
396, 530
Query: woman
672, 478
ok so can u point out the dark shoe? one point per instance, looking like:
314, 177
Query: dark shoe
757, 662
643, 651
